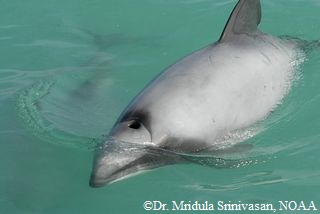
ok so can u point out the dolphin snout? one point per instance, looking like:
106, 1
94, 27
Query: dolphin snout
104, 174
117, 160
96, 181
114, 163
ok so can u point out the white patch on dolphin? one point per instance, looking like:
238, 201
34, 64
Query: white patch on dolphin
202, 99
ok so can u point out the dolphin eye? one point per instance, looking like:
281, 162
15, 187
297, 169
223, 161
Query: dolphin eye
134, 124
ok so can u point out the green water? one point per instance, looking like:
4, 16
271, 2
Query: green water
68, 68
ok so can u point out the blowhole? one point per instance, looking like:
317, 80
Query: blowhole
134, 124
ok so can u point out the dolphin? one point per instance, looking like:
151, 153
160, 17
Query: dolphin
188, 108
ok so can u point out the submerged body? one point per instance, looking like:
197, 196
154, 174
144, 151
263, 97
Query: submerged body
227, 86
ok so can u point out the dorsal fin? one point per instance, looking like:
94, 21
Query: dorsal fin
244, 19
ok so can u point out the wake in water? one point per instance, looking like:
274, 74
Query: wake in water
253, 179
29, 107
235, 156
74, 107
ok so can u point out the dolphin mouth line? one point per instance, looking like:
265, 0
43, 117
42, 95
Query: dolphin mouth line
148, 158
101, 182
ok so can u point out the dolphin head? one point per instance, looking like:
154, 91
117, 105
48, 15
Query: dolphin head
127, 151
115, 160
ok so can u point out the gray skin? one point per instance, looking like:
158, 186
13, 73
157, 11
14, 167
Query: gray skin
227, 86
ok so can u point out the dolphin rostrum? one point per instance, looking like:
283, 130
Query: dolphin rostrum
227, 86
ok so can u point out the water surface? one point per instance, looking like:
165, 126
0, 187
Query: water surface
68, 68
